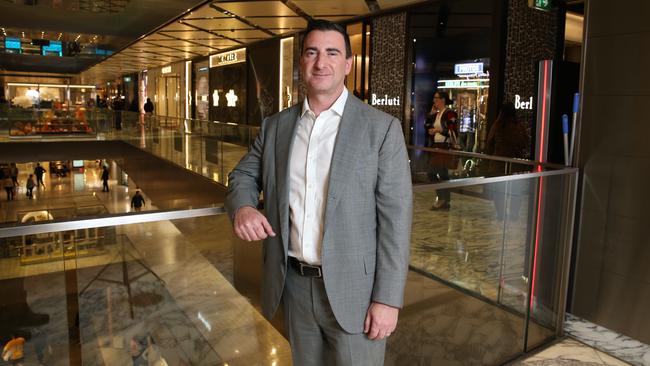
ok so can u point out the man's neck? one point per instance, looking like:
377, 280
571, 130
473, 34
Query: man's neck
322, 102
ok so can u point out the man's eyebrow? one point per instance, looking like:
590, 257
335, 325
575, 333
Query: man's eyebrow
333, 50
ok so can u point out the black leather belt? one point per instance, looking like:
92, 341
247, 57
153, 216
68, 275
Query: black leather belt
305, 269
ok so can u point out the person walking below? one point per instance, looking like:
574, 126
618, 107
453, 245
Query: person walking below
105, 176
8, 183
38, 172
14, 173
148, 106
30, 186
137, 201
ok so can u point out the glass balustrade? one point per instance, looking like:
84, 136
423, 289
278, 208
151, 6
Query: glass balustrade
495, 260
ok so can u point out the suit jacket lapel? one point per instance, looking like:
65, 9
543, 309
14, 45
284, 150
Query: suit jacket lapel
346, 153
285, 133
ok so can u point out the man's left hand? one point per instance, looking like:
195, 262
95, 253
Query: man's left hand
381, 321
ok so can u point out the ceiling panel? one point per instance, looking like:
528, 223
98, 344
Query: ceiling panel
219, 43
176, 26
204, 12
219, 23
191, 35
174, 43
241, 34
386, 4
262, 8
345, 7
279, 22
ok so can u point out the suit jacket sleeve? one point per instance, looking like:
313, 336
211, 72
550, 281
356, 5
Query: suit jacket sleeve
245, 180
394, 199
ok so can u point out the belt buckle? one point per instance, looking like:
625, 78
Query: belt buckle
317, 268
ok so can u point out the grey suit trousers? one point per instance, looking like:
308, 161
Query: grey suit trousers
316, 337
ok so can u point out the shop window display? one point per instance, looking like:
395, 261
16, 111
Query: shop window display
49, 109
450, 51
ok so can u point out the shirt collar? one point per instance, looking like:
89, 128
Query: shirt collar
337, 107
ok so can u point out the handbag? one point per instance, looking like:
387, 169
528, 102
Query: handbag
442, 160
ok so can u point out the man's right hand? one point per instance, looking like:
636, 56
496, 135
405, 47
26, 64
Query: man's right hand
251, 225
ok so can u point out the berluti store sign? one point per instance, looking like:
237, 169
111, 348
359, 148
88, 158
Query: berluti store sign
387, 64
228, 58
531, 36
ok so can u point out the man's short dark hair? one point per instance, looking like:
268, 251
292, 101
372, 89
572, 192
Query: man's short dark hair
326, 25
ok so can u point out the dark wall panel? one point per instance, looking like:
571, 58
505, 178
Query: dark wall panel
612, 276
263, 78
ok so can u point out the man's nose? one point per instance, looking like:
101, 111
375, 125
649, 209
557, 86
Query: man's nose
320, 62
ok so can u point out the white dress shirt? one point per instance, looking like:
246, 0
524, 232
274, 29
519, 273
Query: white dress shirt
311, 158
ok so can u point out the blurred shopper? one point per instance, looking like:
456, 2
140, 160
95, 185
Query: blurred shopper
441, 128
105, 176
38, 172
137, 201
13, 169
8, 184
148, 106
508, 138
118, 108
30, 186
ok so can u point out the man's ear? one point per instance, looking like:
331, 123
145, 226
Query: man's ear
348, 65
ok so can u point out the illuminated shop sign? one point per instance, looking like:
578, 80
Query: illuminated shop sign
519, 104
385, 100
463, 83
228, 58
166, 69
12, 43
53, 49
470, 68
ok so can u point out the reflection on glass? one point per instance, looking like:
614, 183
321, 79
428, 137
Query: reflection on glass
286, 73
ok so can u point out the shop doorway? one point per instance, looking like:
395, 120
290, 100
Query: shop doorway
168, 89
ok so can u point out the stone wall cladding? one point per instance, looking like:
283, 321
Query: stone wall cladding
531, 37
387, 61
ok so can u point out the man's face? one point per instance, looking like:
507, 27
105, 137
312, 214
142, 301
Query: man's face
323, 63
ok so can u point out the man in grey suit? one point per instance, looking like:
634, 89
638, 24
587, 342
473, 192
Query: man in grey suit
337, 190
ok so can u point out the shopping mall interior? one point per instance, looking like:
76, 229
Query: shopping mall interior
120, 121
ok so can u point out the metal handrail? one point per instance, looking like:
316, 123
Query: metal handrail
488, 157
109, 220
473, 181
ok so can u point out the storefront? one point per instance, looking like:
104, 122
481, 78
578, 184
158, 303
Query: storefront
49, 95
468, 88
166, 87
451, 45
201, 95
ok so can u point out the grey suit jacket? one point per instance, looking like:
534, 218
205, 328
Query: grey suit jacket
367, 220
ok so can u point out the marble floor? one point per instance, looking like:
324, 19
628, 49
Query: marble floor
570, 352
606, 340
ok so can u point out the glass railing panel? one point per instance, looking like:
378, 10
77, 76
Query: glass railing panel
436, 165
33, 297
488, 241
549, 262
123, 294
